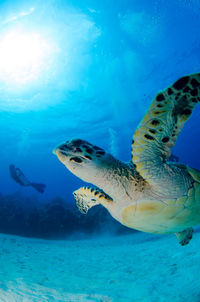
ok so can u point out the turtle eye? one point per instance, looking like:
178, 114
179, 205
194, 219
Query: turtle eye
76, 159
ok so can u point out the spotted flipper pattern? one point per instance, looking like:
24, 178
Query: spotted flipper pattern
158, 131
87, 197
185, 236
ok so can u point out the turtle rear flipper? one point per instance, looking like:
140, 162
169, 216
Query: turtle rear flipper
160, 127
87, 197
185, 236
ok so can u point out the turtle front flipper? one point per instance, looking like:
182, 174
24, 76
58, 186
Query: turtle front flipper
158, 131
87, 197
185, 236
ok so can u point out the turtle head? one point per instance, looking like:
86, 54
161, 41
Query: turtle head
82, 158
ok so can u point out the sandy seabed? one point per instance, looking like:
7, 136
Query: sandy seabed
138, 267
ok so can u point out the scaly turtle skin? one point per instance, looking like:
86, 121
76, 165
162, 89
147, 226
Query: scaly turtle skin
150, 193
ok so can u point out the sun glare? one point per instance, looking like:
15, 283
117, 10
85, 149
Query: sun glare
22, 57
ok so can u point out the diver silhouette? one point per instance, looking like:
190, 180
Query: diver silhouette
21, 179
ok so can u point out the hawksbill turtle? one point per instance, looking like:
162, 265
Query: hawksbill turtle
149, 193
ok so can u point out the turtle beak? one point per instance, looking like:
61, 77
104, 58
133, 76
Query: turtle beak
62, 151
62, 156
54, 151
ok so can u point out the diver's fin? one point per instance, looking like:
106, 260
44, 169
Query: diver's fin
39, 187
185, 236
87, 197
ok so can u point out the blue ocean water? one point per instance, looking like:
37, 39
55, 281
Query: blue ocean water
84, 69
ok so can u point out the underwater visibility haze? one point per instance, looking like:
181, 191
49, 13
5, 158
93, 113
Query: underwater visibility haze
88, 70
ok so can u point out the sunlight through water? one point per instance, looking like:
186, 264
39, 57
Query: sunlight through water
44, 58
22, 56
